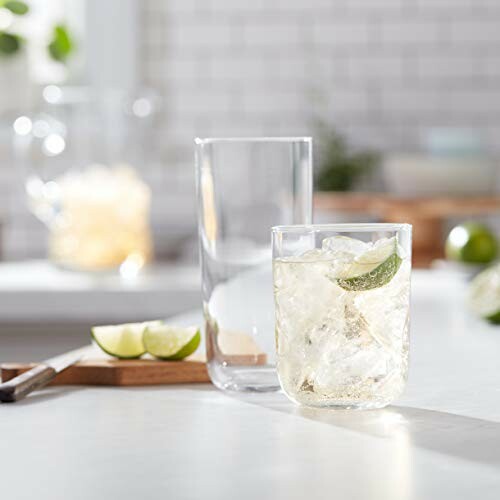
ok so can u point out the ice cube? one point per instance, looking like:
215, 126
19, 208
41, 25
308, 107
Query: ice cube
314, 255
344, 245
342, 251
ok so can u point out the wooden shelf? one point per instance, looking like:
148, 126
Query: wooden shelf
427, 214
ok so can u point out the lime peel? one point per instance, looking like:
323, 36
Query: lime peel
376, 278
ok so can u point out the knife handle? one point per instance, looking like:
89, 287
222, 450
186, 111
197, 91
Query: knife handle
27, 382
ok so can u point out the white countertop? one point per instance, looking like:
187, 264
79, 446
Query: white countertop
38, 290
440, 441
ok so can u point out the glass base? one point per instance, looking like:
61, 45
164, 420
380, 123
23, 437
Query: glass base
244, 378
341, 404
367, 405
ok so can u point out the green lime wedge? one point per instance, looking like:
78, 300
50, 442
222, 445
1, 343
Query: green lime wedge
122, 341
484, 294
171, 342
377, 277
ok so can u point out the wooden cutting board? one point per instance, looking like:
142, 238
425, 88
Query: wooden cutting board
122, 372
99, 369
108, 371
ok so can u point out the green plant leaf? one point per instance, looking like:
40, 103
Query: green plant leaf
61, 45
340, 167
9, 43
16, 7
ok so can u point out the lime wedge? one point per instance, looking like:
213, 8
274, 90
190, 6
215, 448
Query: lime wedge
484, 294
122, 341
171, 342
373, 269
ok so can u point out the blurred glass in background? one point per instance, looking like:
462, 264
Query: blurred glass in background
82, 154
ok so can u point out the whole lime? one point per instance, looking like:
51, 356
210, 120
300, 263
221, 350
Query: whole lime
471, 242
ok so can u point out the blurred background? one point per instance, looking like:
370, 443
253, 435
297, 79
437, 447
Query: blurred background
100, 102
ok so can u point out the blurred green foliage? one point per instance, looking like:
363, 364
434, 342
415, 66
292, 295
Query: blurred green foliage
10, 43
339, 166
61, 44
18, 8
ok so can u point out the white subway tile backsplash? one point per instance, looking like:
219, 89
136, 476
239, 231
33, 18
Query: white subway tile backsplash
181, 69
476, 31
342, 32
344, 100
381, 71
434, 68
175, 6
484, 102
227, 67
376, 67
200, 102
409, 31
376, 4
189, 34
413, 101
289, 35
271, 102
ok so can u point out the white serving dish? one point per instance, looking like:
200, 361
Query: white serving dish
419, 174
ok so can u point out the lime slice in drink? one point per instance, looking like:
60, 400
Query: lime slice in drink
484, 294
122, 341
171, 342
374, 268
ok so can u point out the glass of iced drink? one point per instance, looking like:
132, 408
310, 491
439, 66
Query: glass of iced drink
342, 297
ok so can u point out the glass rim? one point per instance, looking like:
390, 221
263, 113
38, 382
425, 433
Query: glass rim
212, 140
360, 227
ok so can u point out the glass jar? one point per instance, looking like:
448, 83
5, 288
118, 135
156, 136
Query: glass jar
84, 153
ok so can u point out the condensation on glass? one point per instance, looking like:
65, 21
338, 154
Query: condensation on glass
245, 186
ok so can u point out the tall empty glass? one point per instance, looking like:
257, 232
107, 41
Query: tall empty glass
342, 294
245, 186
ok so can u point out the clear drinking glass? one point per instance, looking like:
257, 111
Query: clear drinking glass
342, 298
245, 186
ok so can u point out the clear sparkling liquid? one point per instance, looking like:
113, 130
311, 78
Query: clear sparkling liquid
337, 347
